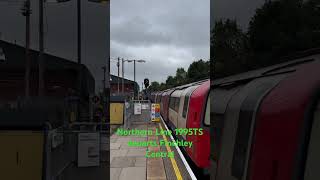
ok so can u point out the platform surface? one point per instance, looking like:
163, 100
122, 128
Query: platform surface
130, 162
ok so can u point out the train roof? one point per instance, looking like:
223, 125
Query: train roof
182, 86
285, 67
191, 84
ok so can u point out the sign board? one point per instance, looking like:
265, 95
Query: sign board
56, 138
155, 112
137, 108
88, 149
145, 106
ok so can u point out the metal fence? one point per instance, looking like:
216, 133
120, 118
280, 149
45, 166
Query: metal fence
136, 110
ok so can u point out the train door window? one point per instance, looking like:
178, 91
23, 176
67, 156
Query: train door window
207, 112
172, 102
177, 102
217, 135
185, 105
313, 156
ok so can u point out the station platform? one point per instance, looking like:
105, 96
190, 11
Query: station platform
131, 162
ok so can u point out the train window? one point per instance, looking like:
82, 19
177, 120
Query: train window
217, 132
172, 102
177, 102
185, 106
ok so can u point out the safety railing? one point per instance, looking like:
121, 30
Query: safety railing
136, 109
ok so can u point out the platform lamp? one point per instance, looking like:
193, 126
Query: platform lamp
134, 73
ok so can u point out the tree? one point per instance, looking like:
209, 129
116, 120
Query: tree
181, 76
198, 70
230, 48
281, 28
170, 82
162, 86
155, 86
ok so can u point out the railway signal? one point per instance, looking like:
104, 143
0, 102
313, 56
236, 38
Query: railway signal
146, 82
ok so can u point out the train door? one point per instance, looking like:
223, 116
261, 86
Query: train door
220, 99
162, 104
313, 157
166, 105
239, 126
181, 103
184, 101
174, 107
172, 101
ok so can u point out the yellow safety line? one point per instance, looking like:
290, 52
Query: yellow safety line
173, 161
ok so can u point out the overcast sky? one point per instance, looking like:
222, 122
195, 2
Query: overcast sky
242, 11
60, 31
167, 34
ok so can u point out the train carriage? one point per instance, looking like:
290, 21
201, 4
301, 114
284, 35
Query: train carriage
187, 107
198, 117
264, 123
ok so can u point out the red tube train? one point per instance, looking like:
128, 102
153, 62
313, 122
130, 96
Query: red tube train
188, 107
266, 123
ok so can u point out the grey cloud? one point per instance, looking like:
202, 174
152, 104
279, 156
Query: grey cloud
168, 34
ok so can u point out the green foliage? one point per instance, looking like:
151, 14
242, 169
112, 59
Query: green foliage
197, 70
170, 82
278, 28
230, 48
154, 86
180, 77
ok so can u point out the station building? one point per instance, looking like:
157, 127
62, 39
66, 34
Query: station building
61, 79
130, 87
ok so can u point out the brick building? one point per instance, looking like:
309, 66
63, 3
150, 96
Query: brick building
130, 87
60, 77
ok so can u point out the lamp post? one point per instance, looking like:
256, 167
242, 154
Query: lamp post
41, 50
118, 65
26, 11
134, 72
122, 89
